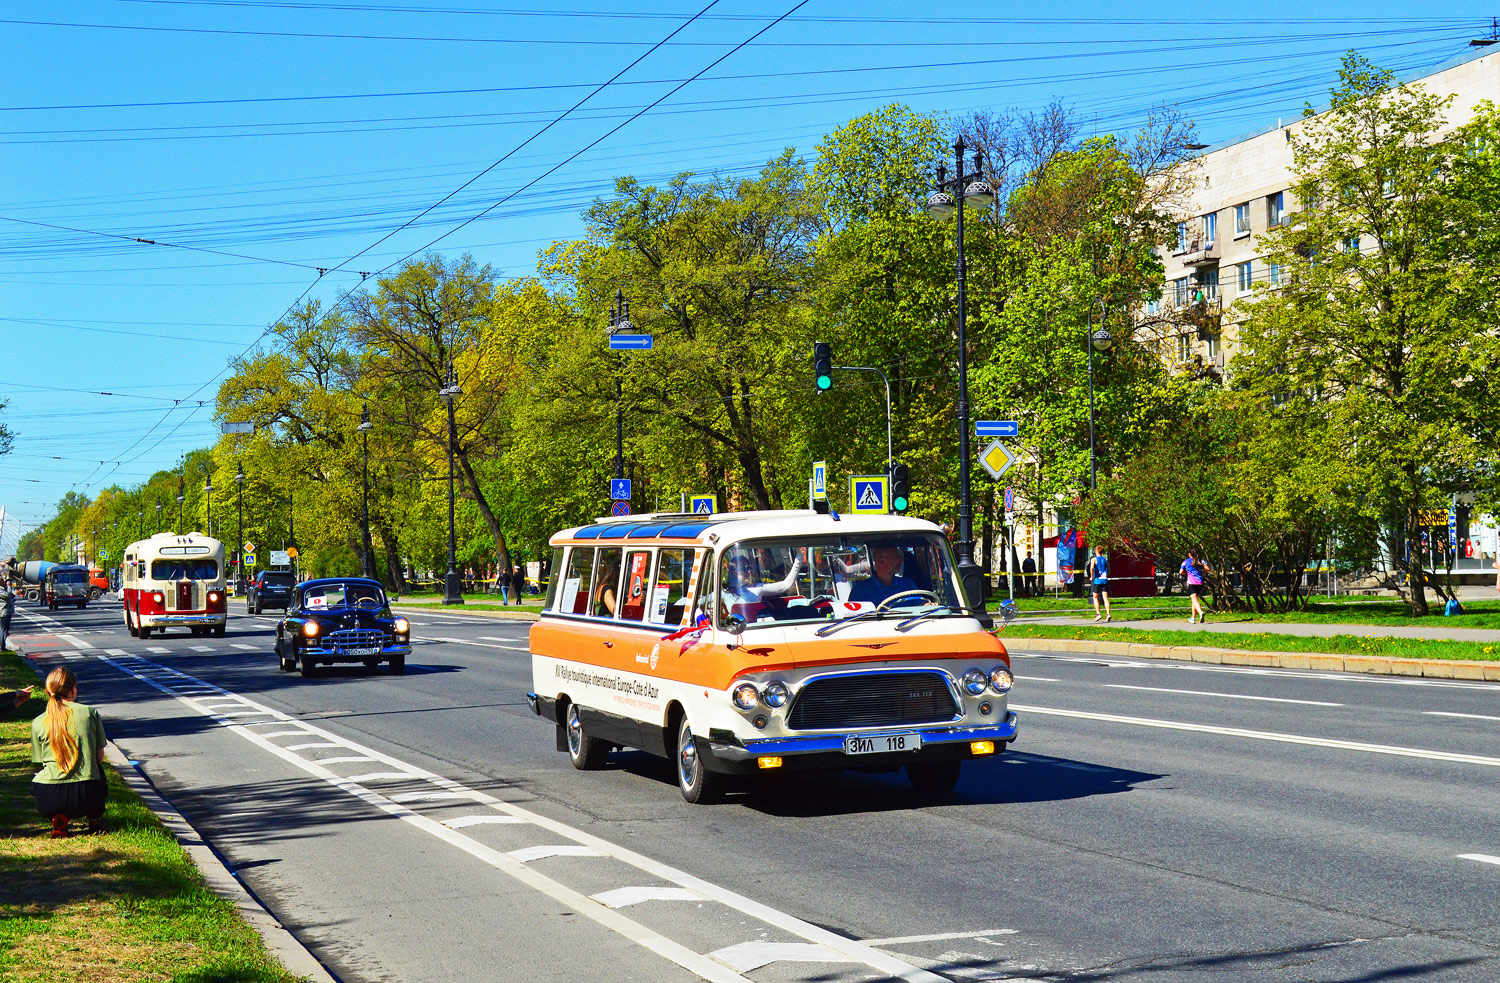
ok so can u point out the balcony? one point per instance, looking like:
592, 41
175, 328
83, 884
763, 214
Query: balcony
1201, 252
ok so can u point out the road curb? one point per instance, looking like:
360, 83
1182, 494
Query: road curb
282, 944
409, 609
1380, 665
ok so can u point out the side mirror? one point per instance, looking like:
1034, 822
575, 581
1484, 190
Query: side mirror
1008, 612
735, 623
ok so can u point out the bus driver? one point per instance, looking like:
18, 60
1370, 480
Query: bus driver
886, 582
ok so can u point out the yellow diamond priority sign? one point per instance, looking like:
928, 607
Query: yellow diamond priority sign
997, 459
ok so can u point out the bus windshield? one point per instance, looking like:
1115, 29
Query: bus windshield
184, 569
817, 578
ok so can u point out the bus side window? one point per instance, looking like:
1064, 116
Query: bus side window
605, 601
669, 591
704, 591
552, 581
632, 605
578, 581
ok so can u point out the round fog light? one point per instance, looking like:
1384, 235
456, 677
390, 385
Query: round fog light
975, 681
760, 720
985, 709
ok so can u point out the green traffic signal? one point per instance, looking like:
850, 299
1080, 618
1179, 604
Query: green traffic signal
823, 365
900, 488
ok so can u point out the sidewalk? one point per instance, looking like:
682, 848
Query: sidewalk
1434, 633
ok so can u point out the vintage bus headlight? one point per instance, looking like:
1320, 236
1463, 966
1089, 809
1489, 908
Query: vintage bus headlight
213, 597
776, 694
975, 681
745, 696
310, 629
401, 626
158, 597
1001, 680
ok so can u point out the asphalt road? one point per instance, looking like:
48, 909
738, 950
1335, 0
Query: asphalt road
1156, 821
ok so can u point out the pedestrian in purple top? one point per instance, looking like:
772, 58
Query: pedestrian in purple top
1192, 570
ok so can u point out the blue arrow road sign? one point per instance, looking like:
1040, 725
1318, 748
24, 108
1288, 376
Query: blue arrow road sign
619, 489
628, 342
996, 428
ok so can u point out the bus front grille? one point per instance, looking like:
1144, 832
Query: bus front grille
873, 699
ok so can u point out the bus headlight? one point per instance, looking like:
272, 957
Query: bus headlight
310, 629
975, 681
401, 626
776, 694
745, 696
158, 597
213, 597
1001, 680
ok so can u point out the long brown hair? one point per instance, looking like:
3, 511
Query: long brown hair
61, 682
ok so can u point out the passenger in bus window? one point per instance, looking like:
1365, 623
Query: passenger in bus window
609, 576
742, 584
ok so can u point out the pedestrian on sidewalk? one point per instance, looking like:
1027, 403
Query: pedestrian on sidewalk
67, 740
7, 609
502, 581
1192, 571
518, 582
1028, 576
1097, 570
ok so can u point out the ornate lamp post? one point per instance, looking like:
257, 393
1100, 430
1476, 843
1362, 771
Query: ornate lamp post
239, 482
452, 585
365, 426
1100, 341
949, 200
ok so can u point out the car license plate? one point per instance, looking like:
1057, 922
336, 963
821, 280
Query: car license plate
362, 651
882, 743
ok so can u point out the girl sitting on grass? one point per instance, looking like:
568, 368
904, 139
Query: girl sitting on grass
67, 740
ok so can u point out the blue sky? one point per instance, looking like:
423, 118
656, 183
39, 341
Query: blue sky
293, 135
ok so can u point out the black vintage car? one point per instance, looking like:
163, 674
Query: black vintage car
341, 619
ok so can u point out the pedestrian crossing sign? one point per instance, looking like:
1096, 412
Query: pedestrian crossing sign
705, 504
868, 494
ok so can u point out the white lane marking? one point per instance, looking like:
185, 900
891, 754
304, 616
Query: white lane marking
1483, 858
497, 638
287, 733
1466, 716
75, 641
624, 897
942, 937
749, 956
1037, 679
461, 822
304, 747
530, 853
158, 650
678, 953
115, 651
1260, 735
1227, 696
483, 645
371, 776
334, 761
428, 796
201, 648
243, 647
1340, 677
241, 713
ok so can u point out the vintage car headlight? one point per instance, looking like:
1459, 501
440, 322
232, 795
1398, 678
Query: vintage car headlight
975, 681
1001, 680
310, 629
776, 694
745, 696
158, 597
401, 626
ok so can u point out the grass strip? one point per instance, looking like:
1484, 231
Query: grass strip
1406, 648
1383, 613
125, 905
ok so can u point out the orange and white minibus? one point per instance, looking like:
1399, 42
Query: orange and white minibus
172, 581
760, 642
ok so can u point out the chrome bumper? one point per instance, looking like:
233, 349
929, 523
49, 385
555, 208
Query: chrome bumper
155, 620
824, 743
318, 652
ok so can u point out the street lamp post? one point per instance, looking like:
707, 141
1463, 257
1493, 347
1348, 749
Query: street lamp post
208, 486
619, 323
158, 513
1099, 340
239, 483
950, 199
180, 498
365, 426
452, 586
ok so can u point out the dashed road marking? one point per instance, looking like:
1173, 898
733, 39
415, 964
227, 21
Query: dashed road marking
201, 648
463, 822
304, 747
1483, 858
941, 937
483, 645
624, 897
243, 647
527, 854
1466, 716
1227, 696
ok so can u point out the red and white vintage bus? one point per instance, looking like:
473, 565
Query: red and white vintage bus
172, 581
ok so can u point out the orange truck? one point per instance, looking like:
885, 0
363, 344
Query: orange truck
763, 642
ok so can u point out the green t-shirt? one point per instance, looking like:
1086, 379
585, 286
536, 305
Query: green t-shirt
87, 729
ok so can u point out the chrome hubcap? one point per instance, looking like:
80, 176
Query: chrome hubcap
687, 757
575, 730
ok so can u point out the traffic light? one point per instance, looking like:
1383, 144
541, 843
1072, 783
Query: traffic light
823, 365
900, 488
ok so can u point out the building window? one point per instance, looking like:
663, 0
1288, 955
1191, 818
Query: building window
1275, 275
1182, 237
1351, 244
1213, 345
1275, 209
1153, 305
1246, 276
1242, 219
1208, 285
1180, 293
1184, 347
1210, 228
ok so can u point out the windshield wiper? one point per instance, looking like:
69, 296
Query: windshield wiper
849, 621
931, 612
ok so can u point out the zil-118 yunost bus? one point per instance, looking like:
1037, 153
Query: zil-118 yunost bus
749, 642
172, 581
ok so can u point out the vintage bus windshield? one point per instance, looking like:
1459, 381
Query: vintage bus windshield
184, 569
822, 577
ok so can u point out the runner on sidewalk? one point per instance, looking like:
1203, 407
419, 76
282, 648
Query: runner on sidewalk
1097, 570
1192, 569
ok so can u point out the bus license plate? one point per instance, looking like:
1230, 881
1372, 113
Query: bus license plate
882, 743
362, 651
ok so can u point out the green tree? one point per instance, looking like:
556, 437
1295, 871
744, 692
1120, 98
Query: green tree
1382, 312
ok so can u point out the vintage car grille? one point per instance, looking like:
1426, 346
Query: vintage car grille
873, 699
353, 638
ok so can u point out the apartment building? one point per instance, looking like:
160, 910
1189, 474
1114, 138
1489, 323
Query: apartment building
1242, 190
